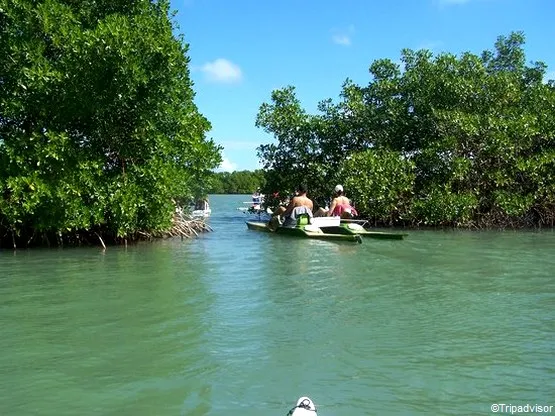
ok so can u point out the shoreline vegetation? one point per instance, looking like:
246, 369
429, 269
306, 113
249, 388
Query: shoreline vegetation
100, 138
442, 140
183, 225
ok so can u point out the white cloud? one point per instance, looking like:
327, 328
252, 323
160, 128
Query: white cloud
343, 37
341, 40
227, 165
222, 70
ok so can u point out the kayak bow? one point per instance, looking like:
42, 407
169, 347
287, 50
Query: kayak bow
304, 407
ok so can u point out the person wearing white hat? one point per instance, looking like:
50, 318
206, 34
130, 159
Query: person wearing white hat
341, 205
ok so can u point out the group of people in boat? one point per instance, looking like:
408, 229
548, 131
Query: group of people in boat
300, 204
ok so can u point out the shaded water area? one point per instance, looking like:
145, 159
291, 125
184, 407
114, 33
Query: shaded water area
242, 322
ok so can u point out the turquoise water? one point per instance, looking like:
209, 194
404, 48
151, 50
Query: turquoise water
242, 322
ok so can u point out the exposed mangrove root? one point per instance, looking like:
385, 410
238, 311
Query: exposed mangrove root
101, 241
184, 226
31, 238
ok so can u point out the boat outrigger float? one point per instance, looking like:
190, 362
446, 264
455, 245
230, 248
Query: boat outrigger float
357, 226
306, 230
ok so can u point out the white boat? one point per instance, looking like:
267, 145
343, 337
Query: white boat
201, 209
201, 213
304, 407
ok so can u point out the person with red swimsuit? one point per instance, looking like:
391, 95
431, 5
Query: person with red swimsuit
341, 205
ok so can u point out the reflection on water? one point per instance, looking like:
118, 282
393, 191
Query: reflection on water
124, 330
237, 321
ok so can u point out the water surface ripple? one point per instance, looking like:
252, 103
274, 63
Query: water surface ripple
240, 322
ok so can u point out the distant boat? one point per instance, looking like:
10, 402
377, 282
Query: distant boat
201, 209
255, 203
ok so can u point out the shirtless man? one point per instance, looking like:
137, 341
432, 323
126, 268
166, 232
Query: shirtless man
299, 200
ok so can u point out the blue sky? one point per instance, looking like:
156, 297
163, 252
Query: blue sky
241, 50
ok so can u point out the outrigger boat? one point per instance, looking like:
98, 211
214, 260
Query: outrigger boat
336, 225
255, 205
304, 228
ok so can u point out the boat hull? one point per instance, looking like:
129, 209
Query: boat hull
301, 231
201, 213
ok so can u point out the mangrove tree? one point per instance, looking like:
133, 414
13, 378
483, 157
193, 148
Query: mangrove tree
99, 133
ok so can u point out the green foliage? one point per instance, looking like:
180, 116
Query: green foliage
380, 182
237, 182
310, 147
98, 125
441, 206
513, 204
478, 130
286, 120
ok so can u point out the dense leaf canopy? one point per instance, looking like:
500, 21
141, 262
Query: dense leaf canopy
98, 128
438, 140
